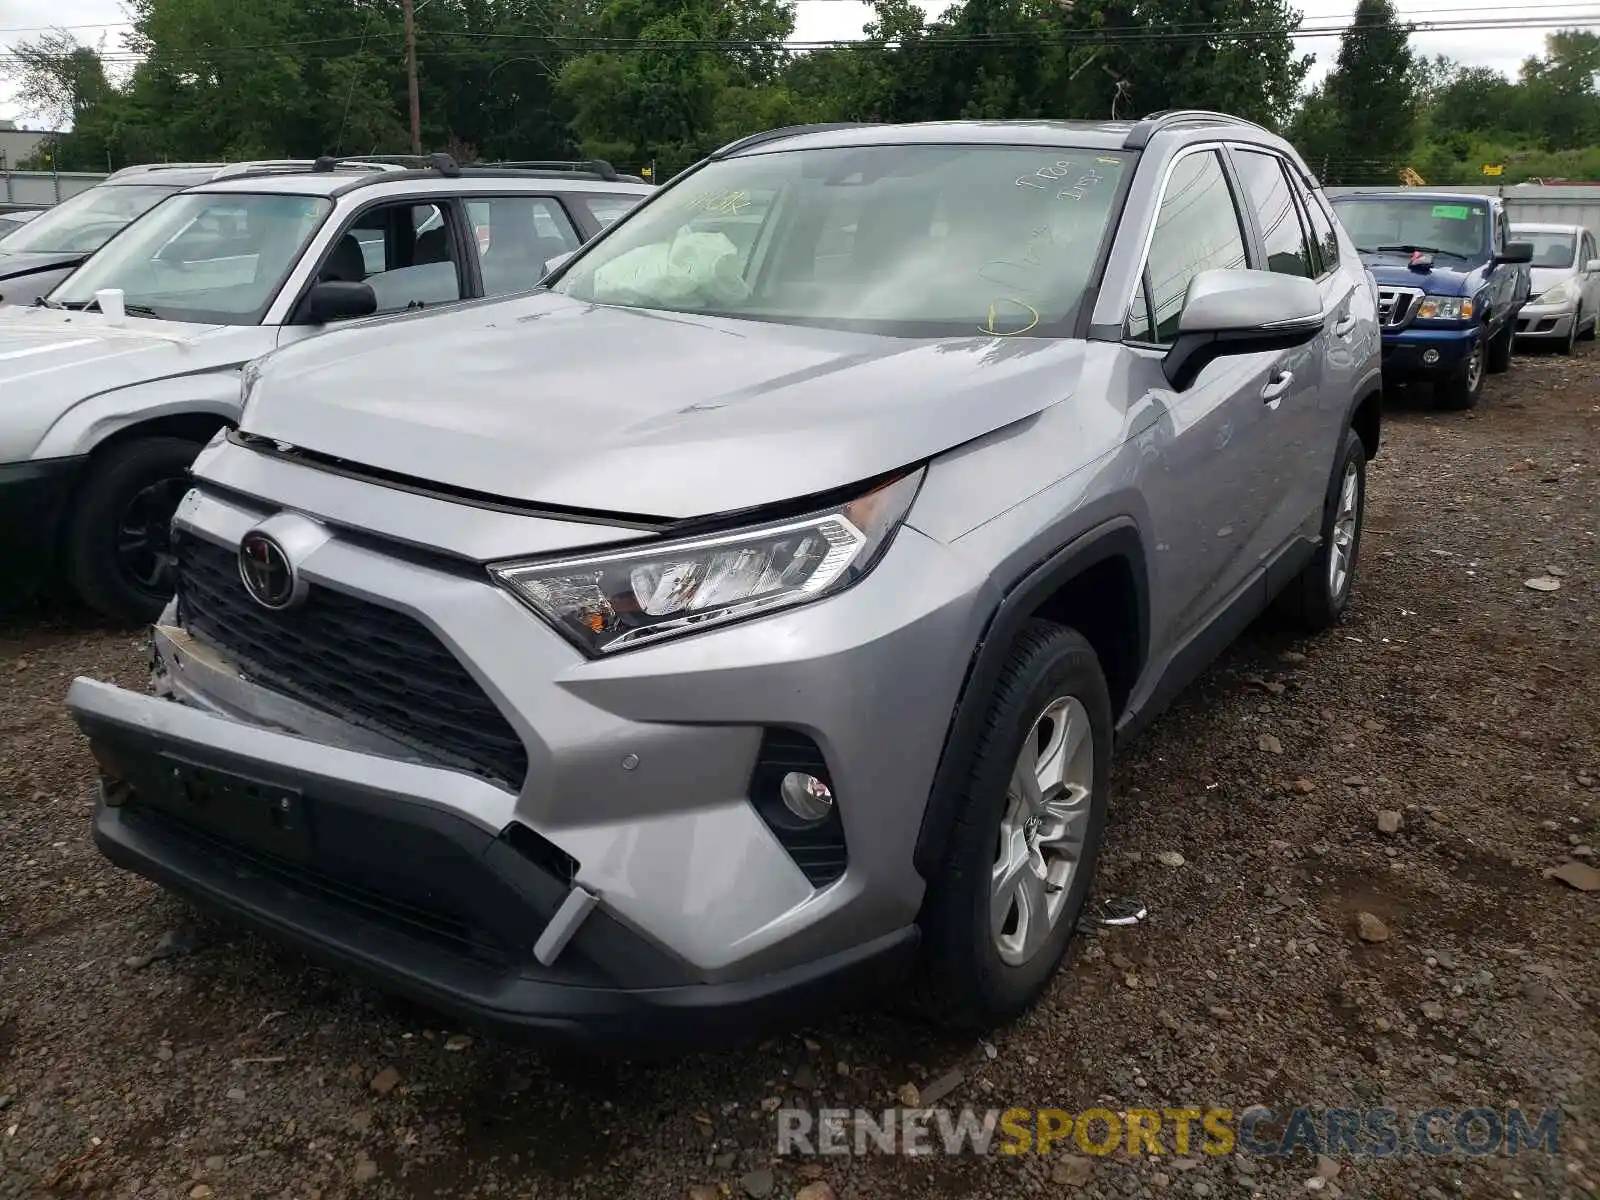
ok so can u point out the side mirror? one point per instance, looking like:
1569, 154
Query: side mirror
1229, 311
550, 264
1592, 266
1516, 252
337, 300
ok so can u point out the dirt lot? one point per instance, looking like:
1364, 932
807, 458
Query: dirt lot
1454, 695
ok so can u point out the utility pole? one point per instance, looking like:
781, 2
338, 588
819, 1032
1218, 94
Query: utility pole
411, 77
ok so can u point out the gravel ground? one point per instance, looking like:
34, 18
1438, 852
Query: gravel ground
146, 1052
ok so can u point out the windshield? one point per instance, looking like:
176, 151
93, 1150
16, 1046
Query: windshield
924, 240
212, 257
1458, 228
87, 221
1553, 249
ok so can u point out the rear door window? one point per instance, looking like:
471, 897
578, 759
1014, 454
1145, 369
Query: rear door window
515, 236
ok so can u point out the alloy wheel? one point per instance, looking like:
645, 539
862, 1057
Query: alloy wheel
1345, 520
144, 536
1043, 829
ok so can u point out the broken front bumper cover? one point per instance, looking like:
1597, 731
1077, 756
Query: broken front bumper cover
422, 902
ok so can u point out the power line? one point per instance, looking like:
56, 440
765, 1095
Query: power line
1111, 35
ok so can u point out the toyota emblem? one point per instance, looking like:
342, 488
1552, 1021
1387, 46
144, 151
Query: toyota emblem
266, 572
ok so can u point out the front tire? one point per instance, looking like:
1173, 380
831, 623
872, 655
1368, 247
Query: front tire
1318, 596
1501, 346
1021, 855
1463, 389
118, 549
1571, 344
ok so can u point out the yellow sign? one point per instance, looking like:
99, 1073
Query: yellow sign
1492, 168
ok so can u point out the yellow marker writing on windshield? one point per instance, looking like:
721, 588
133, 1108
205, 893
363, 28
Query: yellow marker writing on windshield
1032, 312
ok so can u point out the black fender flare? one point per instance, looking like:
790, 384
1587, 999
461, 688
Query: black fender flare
1118, 537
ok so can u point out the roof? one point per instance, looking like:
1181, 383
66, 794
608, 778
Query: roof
173, 177
1546, 227
1406, 193
1189, 124
1107, 135
334, 183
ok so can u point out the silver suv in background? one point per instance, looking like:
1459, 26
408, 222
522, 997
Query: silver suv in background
37, 256
1565, 302
749, 615
103, 414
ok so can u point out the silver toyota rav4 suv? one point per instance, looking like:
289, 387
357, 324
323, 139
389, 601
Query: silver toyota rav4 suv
748, 615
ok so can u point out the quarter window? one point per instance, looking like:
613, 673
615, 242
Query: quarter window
1267, 190
1197, 229
1322, 233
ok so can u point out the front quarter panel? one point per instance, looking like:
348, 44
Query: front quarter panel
86, 424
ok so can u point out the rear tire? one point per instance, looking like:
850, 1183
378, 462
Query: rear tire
983, 962
117, 548
1463, 389
1318, 596
1500, 348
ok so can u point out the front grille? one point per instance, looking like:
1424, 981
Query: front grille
1395, 305
360, 661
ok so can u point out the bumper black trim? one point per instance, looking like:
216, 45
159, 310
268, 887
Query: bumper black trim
33, 501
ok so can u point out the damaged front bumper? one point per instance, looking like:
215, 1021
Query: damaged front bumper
361, 861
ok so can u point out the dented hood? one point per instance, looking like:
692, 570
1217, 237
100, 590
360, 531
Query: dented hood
546, 400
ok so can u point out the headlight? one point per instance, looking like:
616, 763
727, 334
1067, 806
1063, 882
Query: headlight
610, 602
1562, 293
1444, 308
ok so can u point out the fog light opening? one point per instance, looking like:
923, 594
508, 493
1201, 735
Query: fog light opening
1430, 357
806, 796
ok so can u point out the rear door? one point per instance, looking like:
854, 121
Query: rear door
1309, 383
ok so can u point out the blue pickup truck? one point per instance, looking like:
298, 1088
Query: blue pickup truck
1450, 284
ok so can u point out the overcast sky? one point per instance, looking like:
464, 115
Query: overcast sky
827, 19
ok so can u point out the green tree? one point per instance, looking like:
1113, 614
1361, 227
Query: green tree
1373, 93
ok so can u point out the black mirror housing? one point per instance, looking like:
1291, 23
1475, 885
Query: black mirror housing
1193, 352
1516, 252
337, 300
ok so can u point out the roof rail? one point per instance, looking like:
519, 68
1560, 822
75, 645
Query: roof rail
281, 166
441, 163
586, 166
786, 131
146, 168
1153, 123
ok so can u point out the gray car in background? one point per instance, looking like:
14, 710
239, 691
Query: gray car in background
1564, 305
39, 255
748, 616
14, 220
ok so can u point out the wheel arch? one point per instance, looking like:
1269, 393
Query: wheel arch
1366, 418
1098, 583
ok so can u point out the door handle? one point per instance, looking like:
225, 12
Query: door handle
1344, 326
1276, 387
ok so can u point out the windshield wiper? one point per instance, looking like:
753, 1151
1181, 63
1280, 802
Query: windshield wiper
1410, 249
133, 310
44, 302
